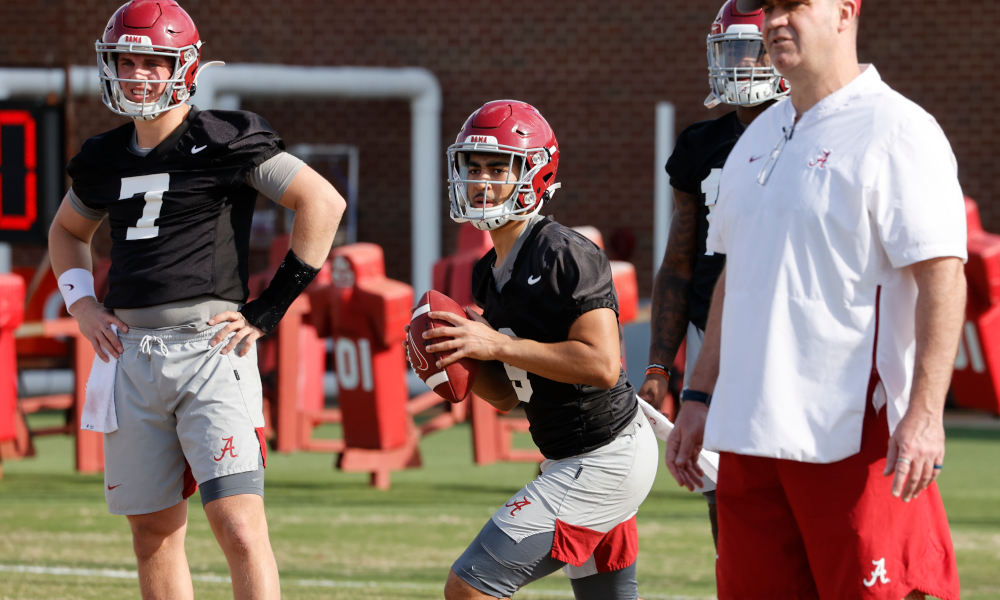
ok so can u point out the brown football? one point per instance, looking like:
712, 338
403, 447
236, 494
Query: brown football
454, 383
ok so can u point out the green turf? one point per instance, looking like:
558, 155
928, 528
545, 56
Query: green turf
331, 529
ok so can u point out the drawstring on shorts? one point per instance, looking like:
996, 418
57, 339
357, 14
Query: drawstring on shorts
146, 345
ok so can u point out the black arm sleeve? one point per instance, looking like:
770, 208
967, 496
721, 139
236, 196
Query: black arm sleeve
291, 278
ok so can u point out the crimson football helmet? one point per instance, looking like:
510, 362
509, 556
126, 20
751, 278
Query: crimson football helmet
739, 71
157, 27
516, 130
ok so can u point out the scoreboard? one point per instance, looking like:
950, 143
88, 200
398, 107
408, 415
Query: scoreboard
32, 156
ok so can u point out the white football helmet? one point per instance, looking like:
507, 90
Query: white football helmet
740, 72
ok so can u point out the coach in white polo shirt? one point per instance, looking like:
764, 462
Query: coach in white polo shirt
835, 325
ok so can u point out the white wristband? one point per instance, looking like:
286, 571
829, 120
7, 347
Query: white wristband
75, 284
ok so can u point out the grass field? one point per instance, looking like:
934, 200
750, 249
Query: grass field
336, 538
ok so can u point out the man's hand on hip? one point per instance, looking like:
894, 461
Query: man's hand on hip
238, 325
915, 449
95, 323
684, 445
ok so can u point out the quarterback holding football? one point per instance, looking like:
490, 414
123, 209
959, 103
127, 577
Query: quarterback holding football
548, 338
176, 390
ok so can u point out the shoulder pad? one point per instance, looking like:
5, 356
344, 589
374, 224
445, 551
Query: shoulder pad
229, 126
99, 152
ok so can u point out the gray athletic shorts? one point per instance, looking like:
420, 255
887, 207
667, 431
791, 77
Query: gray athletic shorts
578, 515
498, 566
186, 414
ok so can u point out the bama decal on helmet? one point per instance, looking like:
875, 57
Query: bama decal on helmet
135, 39
481, 139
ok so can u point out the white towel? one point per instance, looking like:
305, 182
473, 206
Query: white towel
99, 409
707, 460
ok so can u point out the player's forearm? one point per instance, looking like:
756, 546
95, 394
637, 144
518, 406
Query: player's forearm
566, 362
940, 312
706, 369
669, 318
493, 386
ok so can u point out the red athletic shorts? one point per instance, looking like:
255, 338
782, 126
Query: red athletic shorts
790, 529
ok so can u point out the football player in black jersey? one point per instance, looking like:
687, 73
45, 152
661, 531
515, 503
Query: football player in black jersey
178, 394
740, 75
549, 338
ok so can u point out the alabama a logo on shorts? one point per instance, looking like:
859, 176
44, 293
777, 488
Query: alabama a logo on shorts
517, 504
879, 574
229, 447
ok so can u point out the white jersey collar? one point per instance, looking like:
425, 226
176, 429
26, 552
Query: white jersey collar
859, 86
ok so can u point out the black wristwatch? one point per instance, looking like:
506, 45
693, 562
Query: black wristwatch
689, 395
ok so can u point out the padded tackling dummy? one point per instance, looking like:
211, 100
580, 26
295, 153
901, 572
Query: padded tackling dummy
11, 316
977, 366
368, 312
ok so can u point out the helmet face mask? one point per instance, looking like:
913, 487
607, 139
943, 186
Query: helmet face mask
174, 94
519, 204
517, 135
156, 28
740, 72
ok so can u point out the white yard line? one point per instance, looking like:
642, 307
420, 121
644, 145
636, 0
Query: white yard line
330, 583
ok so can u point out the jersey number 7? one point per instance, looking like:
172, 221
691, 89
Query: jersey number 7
152, 188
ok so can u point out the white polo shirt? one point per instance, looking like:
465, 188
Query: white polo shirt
865, 185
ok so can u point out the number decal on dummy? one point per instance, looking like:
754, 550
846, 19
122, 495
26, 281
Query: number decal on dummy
710, 187
152, 188
518, 377
970, 339
354, 364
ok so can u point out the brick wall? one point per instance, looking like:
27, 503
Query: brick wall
594, 69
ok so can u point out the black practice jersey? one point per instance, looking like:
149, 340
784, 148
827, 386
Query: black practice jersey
695, 168
558, 275
180, 216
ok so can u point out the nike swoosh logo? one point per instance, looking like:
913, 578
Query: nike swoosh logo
111, 487
534, 280
416, 354
69, 285
753, 158
256, 480
196, 149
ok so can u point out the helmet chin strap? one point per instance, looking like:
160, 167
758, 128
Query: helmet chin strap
136, 110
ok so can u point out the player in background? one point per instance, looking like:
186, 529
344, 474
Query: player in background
549, 337
182, 404
740, 75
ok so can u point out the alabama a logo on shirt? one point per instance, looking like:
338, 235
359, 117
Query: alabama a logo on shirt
820, 161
